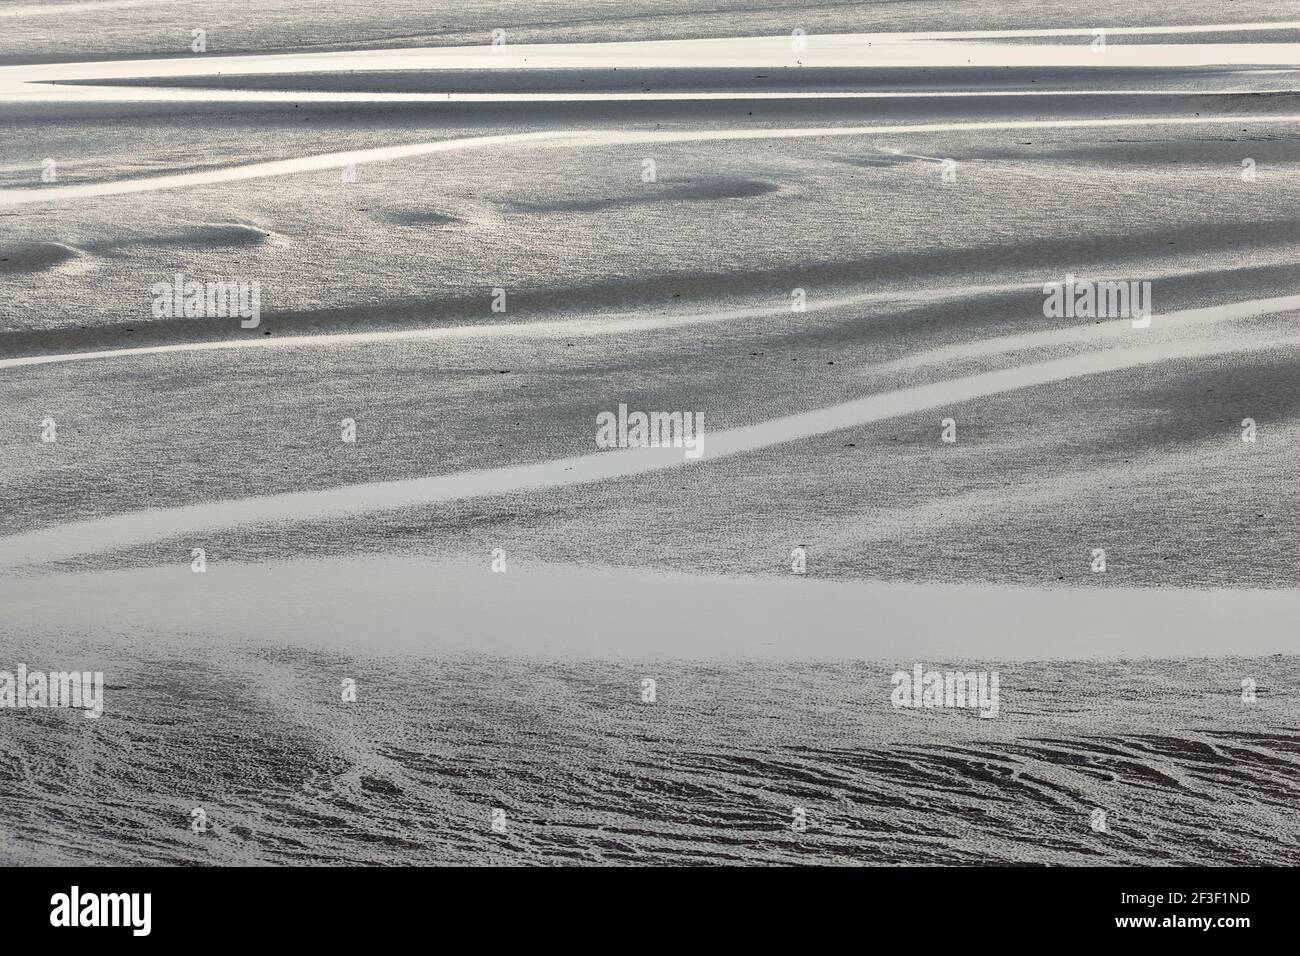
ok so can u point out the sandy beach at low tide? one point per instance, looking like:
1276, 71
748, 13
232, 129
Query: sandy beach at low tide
835, 248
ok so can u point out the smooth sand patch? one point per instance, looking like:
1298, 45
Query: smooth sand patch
382, 604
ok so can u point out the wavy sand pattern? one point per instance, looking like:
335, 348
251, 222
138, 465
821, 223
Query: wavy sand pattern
834, 248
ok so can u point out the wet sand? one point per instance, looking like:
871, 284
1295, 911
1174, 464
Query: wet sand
923, 285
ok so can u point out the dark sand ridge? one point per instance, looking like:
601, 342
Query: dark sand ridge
1031, 262
437, 116
34, 256
318, 125
805, 79
16, 257
672, 190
